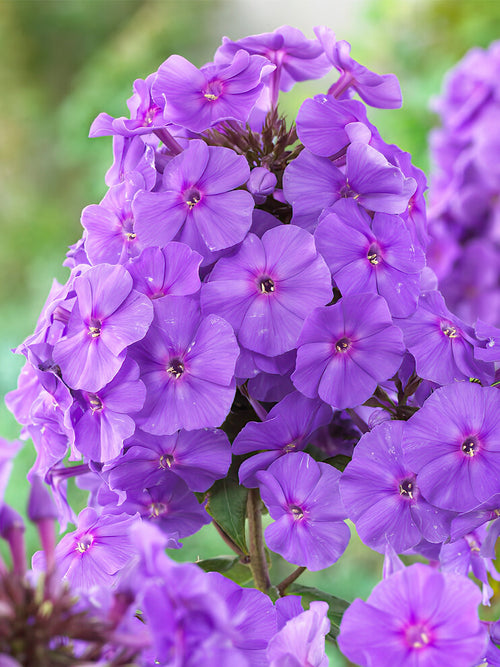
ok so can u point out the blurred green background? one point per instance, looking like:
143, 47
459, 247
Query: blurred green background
64, 61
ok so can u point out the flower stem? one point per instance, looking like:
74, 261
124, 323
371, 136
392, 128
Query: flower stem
258, 562
229, 541
288, 581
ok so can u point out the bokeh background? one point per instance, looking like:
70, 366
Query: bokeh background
64, 61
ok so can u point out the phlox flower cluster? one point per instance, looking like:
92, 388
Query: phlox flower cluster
465, 183
250, 325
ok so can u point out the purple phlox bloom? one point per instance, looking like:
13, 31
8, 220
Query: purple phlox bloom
169, 504
339, 436
322, 121
110, 234
130, 155
381, 495
269, 387
250, 364
173, 269
145, 115
198, 457
187, 364
107, 317
8, 450
443, 345
465, 555
368, 254
417, 616
253, 616
102, 419
95, 553
300, 642
377, 90
492, 655
287, 428
342, 354
467, 522
453, 444
189, 620
261, 184
198, 204
197, 99
303, 498
490, 339
296, 58
76, 255
274, 282
312, 183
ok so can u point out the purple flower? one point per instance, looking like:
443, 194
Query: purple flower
198, 203
187, 364
453, 444
417, 616
268, 287
101, 420
313, 183
377, 90
287, 428
107, 317
197, 99
368, 254
381, 495
169, 270
342, 354
198, 457
95, 553
303, 498
443, 345
301, 640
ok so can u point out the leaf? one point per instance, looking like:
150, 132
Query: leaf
340, 461
336, 606
227, 505
230, 566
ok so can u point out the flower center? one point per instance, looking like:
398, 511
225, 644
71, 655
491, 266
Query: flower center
373, 255
84, 543
297, 512
166, 461
95, 403
343, 345
407, 488
449, 330
95, 328
417, 636
157, 509
192, 197
470, 446
266, 285
175, 368
213, 91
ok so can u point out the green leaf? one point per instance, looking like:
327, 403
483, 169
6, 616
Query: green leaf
336, 606
227, 505
340, 461
230, 566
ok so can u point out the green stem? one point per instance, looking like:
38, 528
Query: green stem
288, 581
258, 562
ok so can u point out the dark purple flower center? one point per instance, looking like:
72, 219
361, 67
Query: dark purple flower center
374, 255
192, 196
342, 345
157, 509
346, 192
95, 328
296, 511
449, 330
166, 461
95, 403
213, 91
470, 446
417, 636
84, 543
175, 368
266, 285
407, 488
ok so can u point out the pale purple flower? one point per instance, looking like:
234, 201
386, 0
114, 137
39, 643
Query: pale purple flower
345, 350
303, 498
417, 616
268, 287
